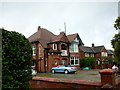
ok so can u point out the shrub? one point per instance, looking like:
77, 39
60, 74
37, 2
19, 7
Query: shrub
16, 59
87, 62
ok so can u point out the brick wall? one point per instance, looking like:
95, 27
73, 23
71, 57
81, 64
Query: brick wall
108, 82
41, 82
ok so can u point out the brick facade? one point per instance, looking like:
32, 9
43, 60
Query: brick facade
51, 50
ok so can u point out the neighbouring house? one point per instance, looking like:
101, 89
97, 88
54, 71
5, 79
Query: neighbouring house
110, 54
51, 50
98, 52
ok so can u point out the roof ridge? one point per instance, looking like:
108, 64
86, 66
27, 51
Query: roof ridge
72, 34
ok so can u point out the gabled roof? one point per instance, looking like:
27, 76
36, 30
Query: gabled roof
110, 52
98, 49
71, 38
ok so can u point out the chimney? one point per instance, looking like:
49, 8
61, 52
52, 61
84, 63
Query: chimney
39, 28
61, 32
93, 45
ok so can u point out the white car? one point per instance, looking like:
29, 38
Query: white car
34, 73
114, 67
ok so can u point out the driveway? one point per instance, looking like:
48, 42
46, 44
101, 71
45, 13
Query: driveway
92, 75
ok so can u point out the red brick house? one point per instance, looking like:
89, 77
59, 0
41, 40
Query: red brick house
98, 52
110, 54
51, 50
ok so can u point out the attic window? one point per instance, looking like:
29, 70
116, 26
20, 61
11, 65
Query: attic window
54, 46
76, 40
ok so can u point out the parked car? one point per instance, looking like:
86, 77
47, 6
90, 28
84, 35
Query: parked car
34, 73
64, 68
86, 68
115, 67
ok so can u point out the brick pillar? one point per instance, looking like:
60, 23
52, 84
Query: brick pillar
107, 77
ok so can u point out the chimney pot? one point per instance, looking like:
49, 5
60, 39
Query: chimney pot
39, 27
93, 45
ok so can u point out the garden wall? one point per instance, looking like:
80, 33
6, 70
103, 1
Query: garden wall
108, 81
41, 82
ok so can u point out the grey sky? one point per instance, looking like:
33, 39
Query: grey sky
93, 21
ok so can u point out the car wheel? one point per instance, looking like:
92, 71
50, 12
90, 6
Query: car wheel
53, 71
66, 71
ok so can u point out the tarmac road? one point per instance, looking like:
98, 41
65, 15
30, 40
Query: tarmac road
92, 75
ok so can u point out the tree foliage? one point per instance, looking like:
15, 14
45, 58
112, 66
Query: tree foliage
16, 60
116, 40
87, 62
116, 45
117, 23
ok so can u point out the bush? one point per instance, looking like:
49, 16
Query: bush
87, 62
16, 59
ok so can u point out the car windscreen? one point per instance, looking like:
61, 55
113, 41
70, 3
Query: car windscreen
67, 65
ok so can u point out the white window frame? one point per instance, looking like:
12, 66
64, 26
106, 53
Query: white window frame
34, 50
104, 54
64, 53
63, 62
87, 55
92, 55
54, 46
74, 58
74, 48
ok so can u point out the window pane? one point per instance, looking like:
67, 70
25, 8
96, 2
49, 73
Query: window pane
76, 61
72, 62
75, 47
71, 48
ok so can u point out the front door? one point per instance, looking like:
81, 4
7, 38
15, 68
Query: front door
63, 62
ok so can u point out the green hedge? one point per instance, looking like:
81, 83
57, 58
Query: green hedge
87, 62
16, 58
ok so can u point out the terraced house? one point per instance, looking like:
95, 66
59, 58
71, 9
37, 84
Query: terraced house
51, 50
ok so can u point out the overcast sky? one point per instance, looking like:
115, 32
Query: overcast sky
93, 21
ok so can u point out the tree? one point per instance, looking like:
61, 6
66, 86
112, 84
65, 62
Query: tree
117, 23
16, 60
116, 41
87, 62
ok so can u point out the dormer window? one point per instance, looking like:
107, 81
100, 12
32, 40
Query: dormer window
54, 46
